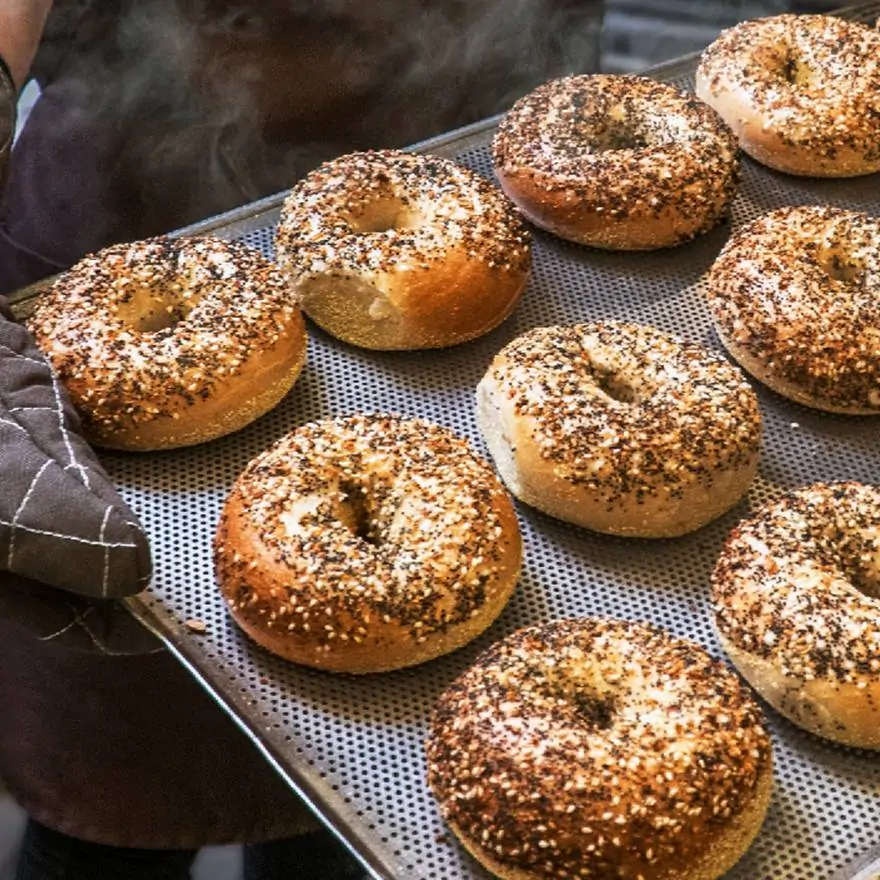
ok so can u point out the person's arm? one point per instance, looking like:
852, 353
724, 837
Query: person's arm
21, 25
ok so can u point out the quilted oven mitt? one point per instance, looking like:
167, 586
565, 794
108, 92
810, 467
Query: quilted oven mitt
62, 522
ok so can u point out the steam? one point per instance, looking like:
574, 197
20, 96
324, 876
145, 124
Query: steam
211, 108
171, 111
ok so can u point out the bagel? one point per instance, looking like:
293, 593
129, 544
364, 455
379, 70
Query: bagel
170, 342
794, 298
800, 92
394, 251
366, 543
620, 428
796, 598
598, 748
617, 162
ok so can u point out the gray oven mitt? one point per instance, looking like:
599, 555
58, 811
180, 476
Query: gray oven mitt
62, 522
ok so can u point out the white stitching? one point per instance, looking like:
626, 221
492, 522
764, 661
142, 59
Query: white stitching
92, 542
13, 525
105, 576
65, 435
67, 626
14, 424
83, 474
79, 620
23, 357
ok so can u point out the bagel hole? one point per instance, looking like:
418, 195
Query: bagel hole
598, 712
383, 215
795, 72
862, 569
356, 514
615, 387
854, 554
615, 136
838, 265
160, 319
866, 581
145, 311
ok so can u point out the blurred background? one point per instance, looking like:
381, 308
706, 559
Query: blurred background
640, 33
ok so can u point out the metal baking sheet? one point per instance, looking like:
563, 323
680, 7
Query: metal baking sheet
352, 746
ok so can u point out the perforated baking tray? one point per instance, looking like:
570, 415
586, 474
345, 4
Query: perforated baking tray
352, 746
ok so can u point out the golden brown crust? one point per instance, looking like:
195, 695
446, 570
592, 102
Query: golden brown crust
792, 296
367, 543
617, 162
600, 748
394, 250
620, 428
800, 92
796, 593
171, 342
